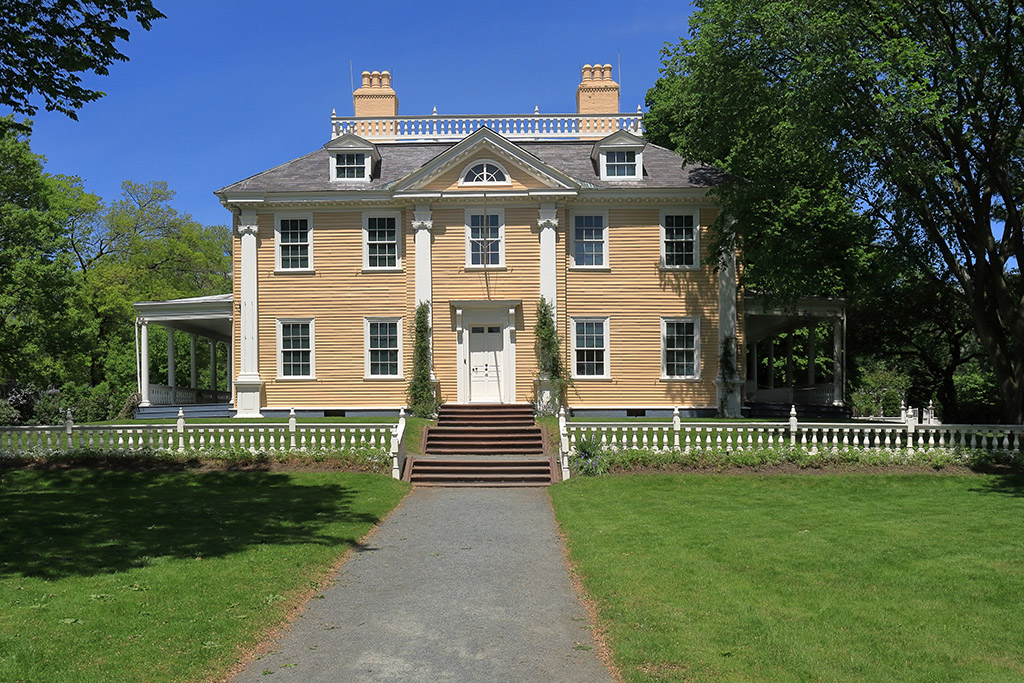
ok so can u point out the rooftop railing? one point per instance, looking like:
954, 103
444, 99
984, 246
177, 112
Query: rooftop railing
523, 127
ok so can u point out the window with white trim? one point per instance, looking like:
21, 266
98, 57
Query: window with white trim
295, 356
680, 348
381, 241
589, 240
590, 347
680, 240
383, 347
485, 172
622, 164
294, 242
350, 166
485, 238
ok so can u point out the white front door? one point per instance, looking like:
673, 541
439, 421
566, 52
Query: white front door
486, 358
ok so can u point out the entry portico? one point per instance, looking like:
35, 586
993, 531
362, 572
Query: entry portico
486, 349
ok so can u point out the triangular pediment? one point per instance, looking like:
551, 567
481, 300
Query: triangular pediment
352, 143
485, 143
620, 139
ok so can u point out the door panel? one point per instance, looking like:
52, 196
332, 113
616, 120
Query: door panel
486, 347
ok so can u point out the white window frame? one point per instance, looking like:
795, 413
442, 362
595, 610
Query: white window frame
280, 348
501, 167
501, 239
605, 320
696, 350
572, 239
397, 215
696, 237
639, 175
366, 347
367, 164
278, 217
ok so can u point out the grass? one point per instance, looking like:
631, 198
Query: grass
797, 577
165, 576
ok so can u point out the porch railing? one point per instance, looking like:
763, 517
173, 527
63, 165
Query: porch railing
818, 395
160, 395
679, 436
267, 437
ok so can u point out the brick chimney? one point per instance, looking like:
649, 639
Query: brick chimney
597, 92
376, 97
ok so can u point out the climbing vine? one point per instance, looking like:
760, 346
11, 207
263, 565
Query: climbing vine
422, 398
548, 347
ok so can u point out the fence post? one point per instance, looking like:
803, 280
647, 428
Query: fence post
793, 425
675, 427
398, 446
291, 429
181, 430
563, 443
69, 425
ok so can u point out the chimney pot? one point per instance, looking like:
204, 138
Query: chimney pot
366, 79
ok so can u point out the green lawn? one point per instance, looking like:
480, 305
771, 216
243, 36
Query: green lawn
804, 577
164, 576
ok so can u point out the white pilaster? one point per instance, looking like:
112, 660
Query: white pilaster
193, 368
248, 384
728, 387
170, 358
548, 224
144, 366
422, 225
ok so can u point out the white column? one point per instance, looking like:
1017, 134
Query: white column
422, 225
248, 384
812, 354
548, 224
838, 361
728, 387
170, 357
213, 366
771, 364
144, 367
192, 362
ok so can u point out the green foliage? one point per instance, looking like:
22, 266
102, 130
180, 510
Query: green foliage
588, 458
46, 45
977, 393
422, 397
548, 348
841, 124
881, 390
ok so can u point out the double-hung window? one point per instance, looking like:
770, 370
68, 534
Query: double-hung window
620, 164
680, 240
295, 349
590, 347
294, 240
351, 166
589, 240
485, 238
680, 348
381, 242
383, 347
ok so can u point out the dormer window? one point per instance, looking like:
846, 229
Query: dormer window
620, 156
352, 159
350, 166
485, 173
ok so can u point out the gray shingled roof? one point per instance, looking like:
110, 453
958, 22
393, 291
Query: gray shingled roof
663, 168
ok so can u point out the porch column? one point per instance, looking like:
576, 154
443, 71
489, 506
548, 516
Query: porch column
170, 357
812, 354
213, 366
789, 365
248, 383
771, 364
192, 361
838, 360
548, 224
144, 366
752, 373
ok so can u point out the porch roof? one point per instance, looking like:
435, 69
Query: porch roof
207, 316
763, 319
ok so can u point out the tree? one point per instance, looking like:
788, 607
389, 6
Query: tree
909, 114
45, 45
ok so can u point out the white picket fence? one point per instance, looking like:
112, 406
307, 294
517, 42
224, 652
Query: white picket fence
733, 436
263, 437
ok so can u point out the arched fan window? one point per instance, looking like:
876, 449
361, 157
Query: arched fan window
485, 173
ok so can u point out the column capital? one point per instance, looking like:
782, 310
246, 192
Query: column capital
422, 225
244, 230
548, 216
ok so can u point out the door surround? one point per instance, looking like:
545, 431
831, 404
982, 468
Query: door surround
477, 312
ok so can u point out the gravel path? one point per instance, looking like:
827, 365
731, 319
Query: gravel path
456, 585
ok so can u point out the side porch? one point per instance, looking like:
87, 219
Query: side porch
204, 325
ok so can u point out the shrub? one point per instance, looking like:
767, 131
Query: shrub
589, 458
422, 398
548, 347
881, 390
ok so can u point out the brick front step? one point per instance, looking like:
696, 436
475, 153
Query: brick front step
480, 472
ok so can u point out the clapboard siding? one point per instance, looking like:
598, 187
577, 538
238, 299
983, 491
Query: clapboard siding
339, 295
635, 294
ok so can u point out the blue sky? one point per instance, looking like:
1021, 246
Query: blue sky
222, 89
